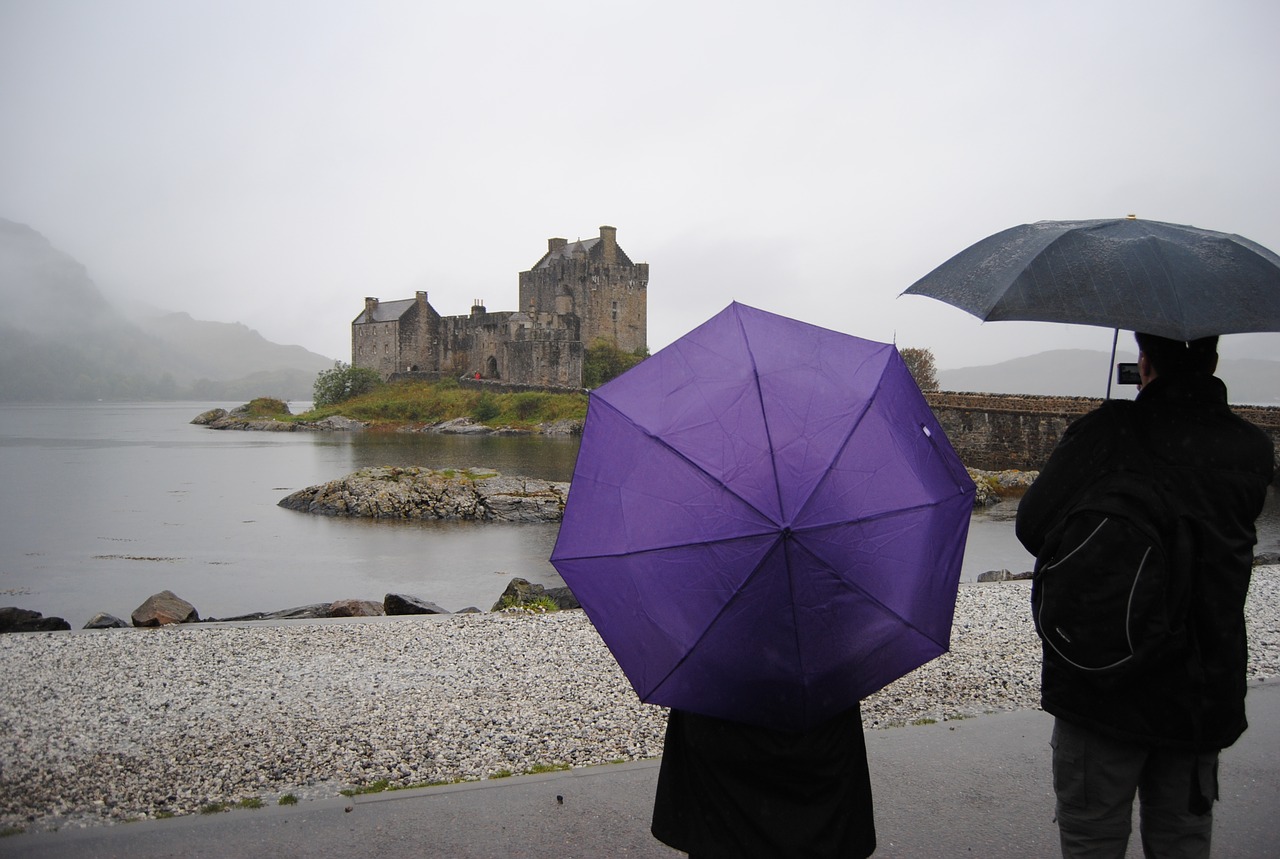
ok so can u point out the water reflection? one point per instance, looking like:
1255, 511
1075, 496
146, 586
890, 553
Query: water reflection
543, 457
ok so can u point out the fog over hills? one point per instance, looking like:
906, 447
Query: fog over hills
61, 339
1084, 372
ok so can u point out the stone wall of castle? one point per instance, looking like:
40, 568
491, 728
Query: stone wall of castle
576, 294
376, 346
545, 359
418, 336
600, 286
473, 344
395, 344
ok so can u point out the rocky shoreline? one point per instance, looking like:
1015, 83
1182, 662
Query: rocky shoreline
239, 418
108, 726
166, 607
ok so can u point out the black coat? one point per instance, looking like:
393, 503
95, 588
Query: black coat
737, 791
1213, 468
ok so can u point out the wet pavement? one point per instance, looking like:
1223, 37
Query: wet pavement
970, 788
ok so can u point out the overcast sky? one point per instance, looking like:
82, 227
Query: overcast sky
273, 163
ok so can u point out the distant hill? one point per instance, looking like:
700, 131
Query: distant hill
1083, 373
60, 339
232, 351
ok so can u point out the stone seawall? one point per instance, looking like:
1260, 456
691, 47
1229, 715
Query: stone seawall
996, 432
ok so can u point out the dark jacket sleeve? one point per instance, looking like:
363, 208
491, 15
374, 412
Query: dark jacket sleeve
1085, 450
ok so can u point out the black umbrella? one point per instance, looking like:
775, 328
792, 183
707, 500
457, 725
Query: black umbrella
1176, 281
1168, 279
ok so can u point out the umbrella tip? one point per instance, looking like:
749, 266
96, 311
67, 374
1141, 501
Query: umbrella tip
1131, 217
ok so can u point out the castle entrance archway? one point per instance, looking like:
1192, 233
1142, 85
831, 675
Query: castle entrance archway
491, 368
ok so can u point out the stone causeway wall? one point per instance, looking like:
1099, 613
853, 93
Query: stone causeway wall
996, 432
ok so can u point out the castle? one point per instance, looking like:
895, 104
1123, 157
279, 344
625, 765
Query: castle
579, 293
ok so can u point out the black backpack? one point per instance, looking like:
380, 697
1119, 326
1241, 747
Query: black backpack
1107, 592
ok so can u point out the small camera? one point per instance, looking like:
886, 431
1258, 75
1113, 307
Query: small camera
1127, 374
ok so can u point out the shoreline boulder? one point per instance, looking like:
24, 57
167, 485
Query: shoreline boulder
522, 592
398, 604
14, 619
1003, 576
164, 608
355, 608
102, 620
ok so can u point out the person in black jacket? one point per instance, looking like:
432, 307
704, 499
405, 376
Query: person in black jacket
1157, 733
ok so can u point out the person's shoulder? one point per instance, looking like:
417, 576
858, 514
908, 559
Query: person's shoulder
1253, 437
1104, 419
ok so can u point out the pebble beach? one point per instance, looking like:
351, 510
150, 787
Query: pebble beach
107, 726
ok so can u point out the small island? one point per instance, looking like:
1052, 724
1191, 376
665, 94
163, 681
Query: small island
445, 406
387, 492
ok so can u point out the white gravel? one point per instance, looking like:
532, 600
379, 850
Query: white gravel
114, 725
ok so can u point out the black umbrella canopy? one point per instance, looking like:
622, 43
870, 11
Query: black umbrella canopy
1173, 280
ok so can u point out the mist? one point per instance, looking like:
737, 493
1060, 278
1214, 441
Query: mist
272, 163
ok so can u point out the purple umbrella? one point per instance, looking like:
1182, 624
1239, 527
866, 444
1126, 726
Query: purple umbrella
766, 522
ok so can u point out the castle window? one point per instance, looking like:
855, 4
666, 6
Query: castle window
615, 311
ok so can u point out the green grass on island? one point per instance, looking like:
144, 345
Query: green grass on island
416, 402
361, 394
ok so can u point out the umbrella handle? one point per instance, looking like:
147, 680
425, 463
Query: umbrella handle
1115, 337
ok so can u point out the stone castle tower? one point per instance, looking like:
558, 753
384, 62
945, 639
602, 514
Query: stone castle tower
577, 294
596, 281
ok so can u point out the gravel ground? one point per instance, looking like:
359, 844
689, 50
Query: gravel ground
114, 725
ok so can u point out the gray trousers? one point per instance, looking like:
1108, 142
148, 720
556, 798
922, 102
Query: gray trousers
1095, 779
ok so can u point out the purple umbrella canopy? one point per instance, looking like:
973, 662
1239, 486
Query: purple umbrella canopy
766, 523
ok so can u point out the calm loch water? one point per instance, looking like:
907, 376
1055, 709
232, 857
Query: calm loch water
107, 503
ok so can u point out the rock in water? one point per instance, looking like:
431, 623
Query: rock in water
355, 608
522, 592
302, 612
206, 418
14, 619
102, 620
163, 608
405, 604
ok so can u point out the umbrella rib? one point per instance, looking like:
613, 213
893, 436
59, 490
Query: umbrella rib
795, 623
851, 586
629, 553
691, 649
835, 456
883, 514
780, 538
839, 450
764, 414
871, 597
680, 454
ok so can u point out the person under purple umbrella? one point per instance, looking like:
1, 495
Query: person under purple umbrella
728, 789
765, 525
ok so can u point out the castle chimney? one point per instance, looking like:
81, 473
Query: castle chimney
554, 245
477, 306
609, 241
422, 299
370, 305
